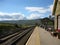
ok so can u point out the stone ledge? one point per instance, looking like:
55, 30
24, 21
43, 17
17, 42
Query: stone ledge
34, 38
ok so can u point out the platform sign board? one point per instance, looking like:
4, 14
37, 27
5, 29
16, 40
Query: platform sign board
59, 23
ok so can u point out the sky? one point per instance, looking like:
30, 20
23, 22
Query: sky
25, 9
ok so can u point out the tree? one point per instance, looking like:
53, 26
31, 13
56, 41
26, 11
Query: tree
16, 26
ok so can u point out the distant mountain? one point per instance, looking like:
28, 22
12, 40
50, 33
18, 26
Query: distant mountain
22, 21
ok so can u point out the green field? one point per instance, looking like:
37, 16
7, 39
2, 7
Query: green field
8, 28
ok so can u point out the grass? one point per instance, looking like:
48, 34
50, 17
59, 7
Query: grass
7, 28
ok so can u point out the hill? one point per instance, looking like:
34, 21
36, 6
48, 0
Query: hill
28, 22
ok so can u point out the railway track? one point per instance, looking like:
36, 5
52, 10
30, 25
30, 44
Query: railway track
19, 38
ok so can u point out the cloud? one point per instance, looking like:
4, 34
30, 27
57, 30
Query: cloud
11, 16
34, 16
41, 11
50, 7
37, 9
34, 13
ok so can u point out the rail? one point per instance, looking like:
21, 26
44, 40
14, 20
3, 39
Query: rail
13, 39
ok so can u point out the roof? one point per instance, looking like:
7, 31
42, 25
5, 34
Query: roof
54, 7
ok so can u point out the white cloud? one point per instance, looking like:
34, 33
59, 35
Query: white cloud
38, 9
51, 7
1, 13
41, 10
11, 16
34, 16
18, 16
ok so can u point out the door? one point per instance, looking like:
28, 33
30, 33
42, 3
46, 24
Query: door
59, 23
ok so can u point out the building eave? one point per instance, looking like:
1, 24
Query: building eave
54, 7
